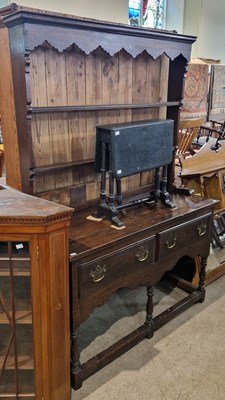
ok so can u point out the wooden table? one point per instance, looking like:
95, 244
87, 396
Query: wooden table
104, 259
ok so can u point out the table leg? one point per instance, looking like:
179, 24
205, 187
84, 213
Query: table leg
201, 285
76, 371
149, 312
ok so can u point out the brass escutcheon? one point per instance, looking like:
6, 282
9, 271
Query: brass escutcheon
142, 254
202, 229
170, 243
98, 274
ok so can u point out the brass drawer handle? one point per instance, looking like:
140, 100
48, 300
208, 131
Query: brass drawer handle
98, 274
202, 229
142, 254
171, 242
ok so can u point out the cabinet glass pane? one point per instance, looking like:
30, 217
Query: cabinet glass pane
16, 336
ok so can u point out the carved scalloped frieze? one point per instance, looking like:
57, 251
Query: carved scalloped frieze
61, 31
61, 38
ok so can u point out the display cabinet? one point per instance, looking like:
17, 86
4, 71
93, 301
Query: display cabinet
34, 311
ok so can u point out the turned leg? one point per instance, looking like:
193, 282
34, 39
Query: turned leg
157, 184
201, 285
164, 180
164, 195
149, 311
119, 191
111, 182
103, 176
76, 371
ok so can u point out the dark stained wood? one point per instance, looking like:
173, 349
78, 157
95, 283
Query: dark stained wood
21, 95
37, 110
56, 167
104, 358
8, 9
178, 308
104, 259
150, 218
175, 91
126, 343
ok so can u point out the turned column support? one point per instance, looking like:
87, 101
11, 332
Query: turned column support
76, 371
201, 285
149, 312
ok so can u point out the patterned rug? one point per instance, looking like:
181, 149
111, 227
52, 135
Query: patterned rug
195, 91
218, 88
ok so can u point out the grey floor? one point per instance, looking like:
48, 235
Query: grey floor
185, 360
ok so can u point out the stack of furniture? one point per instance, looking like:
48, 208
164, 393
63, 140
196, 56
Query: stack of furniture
62, 76
204, 173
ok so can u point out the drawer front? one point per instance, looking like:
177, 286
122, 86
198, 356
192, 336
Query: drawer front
106, 271
186, 235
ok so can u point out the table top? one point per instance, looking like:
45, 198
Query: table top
86, 235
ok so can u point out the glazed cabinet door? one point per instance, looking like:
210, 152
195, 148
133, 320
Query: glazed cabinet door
17, 377
34, 298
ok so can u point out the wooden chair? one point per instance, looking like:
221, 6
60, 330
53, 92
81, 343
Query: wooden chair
188, 131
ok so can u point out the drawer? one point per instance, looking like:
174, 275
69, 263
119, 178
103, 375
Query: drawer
184, 236
109, 270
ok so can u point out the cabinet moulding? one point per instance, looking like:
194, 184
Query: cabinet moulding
89, 34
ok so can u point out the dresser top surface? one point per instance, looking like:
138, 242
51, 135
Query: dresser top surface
87, 234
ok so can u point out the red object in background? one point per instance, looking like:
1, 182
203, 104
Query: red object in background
144, 6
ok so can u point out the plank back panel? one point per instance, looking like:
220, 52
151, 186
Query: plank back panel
72, 78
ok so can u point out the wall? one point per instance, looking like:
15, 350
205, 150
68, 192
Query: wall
201, 18
212, 30
175, 15
107, 10
3, 3
205, 18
